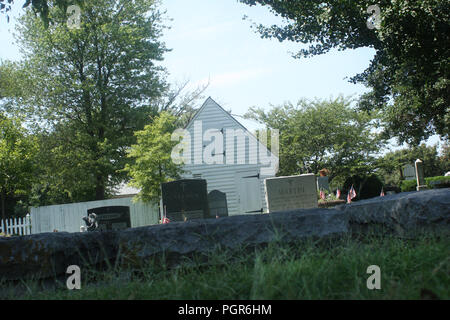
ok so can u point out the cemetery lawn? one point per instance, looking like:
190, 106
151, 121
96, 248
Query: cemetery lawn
332, 269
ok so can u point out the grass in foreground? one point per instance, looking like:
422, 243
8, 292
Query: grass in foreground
310, 270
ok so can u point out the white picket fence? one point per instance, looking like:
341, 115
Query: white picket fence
16, 226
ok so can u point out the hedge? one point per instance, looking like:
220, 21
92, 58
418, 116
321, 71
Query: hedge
431, 182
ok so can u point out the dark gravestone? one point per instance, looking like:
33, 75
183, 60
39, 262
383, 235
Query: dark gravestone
218, 203
185, 200
322, 183
112, 218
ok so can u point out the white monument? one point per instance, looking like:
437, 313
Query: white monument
420, 177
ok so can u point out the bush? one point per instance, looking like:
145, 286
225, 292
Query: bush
437, 182
431, 182
408, 185
365, 186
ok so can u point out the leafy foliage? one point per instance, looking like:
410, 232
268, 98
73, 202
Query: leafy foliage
390, 166
153, 164
90, 89
322, 134
438, 182
41, 7
431, 183
16, 159
409, 75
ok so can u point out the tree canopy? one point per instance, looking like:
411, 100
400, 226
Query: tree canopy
390, 166
322, 134
41, 7
153, 163
89, 89
409, 75
17, 163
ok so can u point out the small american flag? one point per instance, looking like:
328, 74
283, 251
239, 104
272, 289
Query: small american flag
165, 220
322, 195
352, 192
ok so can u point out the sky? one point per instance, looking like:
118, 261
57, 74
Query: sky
211, 42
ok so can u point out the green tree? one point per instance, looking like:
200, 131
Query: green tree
91, 88
152, 163
409, 75
390, 166
40, 7
17, 151
322, 134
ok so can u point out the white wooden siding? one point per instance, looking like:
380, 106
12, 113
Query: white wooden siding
68, 217
222, 177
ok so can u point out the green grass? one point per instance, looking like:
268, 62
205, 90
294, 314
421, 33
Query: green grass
334, 269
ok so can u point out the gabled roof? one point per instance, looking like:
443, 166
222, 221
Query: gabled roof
199, 111
209, 99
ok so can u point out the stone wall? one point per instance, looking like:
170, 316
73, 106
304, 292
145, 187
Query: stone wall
48, 255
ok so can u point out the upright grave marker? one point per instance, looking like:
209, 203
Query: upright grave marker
420, 176
112, 218
185, 200
322, 184
409, 172
295, 192
218, 204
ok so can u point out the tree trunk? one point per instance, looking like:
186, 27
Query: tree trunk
100, 189
3, 196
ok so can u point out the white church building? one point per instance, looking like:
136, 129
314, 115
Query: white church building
230, 158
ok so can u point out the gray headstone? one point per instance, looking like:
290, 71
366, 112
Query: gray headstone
288, 193
112, 218
409, 172
185, 200
322, 183
218, 203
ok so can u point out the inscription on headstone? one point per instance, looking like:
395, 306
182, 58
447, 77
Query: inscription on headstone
112, 218
185, 200
295, 192
218, 203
